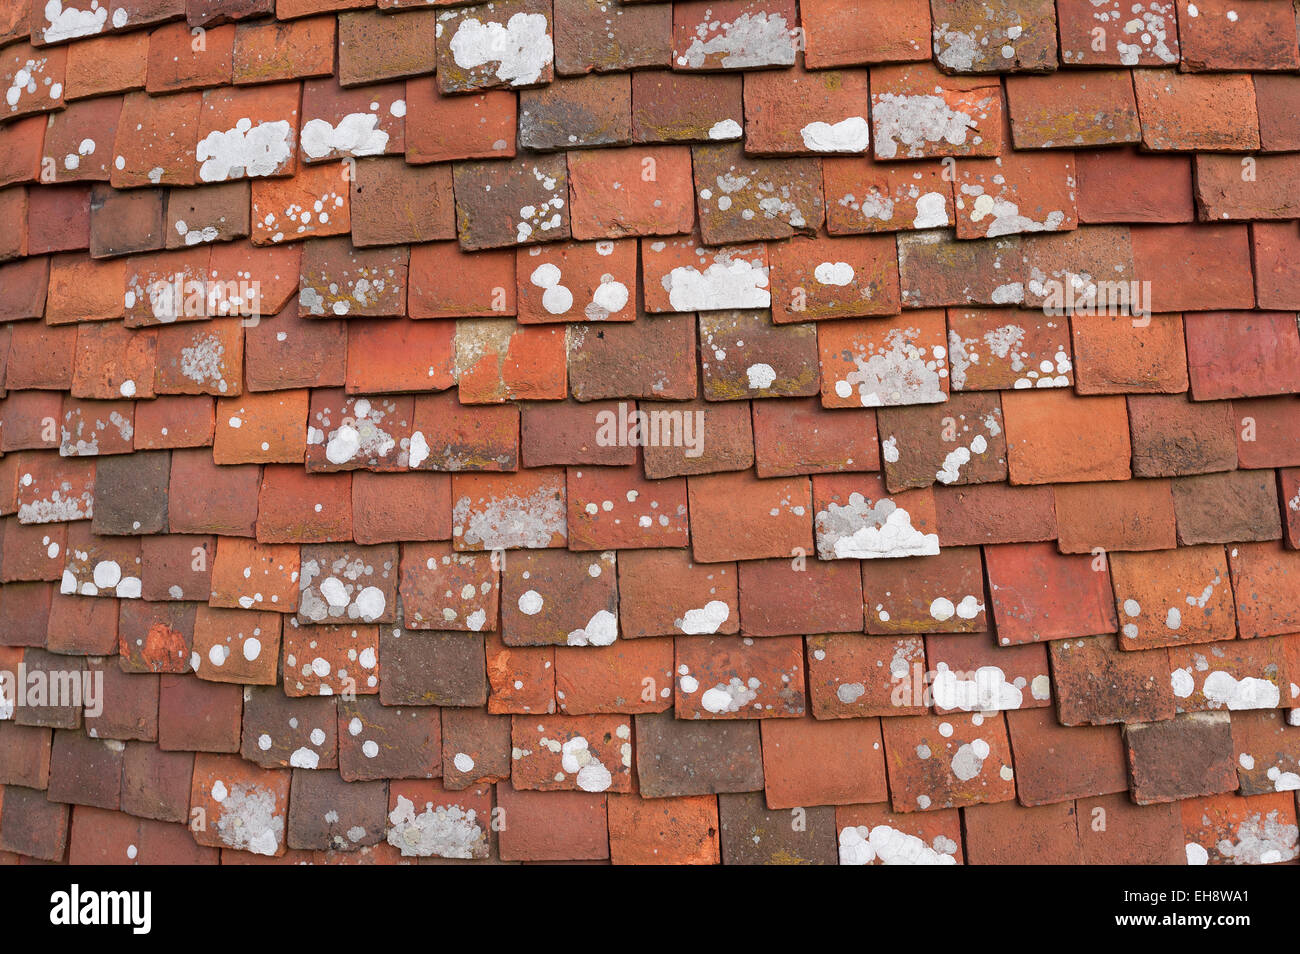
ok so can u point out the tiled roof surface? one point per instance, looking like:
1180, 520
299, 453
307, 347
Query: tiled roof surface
858, 431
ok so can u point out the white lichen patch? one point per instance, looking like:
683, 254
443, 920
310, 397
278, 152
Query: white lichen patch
364, 434
246, 819
987, 689
80, 434
751, 192
86, 575
849, 135
749, 41
731, 696
1003, 216
203, 362
294, 219
60, 504
907, 126
343, 589
601, 630
898, 372
356, 134
706, 619
1008, 346
69, 23
1259, 839
521, 48
1139, 29
721, 285
527, 521
439, 831
968, 761
245, 150
862, 530
863, 845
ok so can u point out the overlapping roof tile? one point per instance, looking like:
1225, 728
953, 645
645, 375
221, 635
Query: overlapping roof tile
561, 430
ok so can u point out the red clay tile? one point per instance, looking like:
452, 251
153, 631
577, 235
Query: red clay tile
1008, 834
737, 516
947, 762
1186, 111
677, 757
624, 677
617, 508
811, 762
577, 282
565, 753
739, 199
1268, 432
800, 437
872, 834
919, 112
1233, 675
682, 275
900, 31
521, 679
1232, 355
1275, 97
801, 113
736, 677
899, 362
486, 285
394, 203
1131, 515
469, 39
957, 442
558, 598
1059, 764
685, 107
552, 826
814, 278
1261, 574
1181, 758
1174, 437
936, 270
587, 38
1124, 185
1216, 37
1097, 684
857, 518
1054, 437
632, 191
296, 507
462, 438
1265, 751
1043, 116
179, 61
773, 595
663, 830
495, 512
937, 594
267, 51
313, 204
240, 806
441, 128
425, 820
1258, 187
498, 360
662, 592
733, 34
851, 676
1120, 354
576, 113
1231, 829
1039, 594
